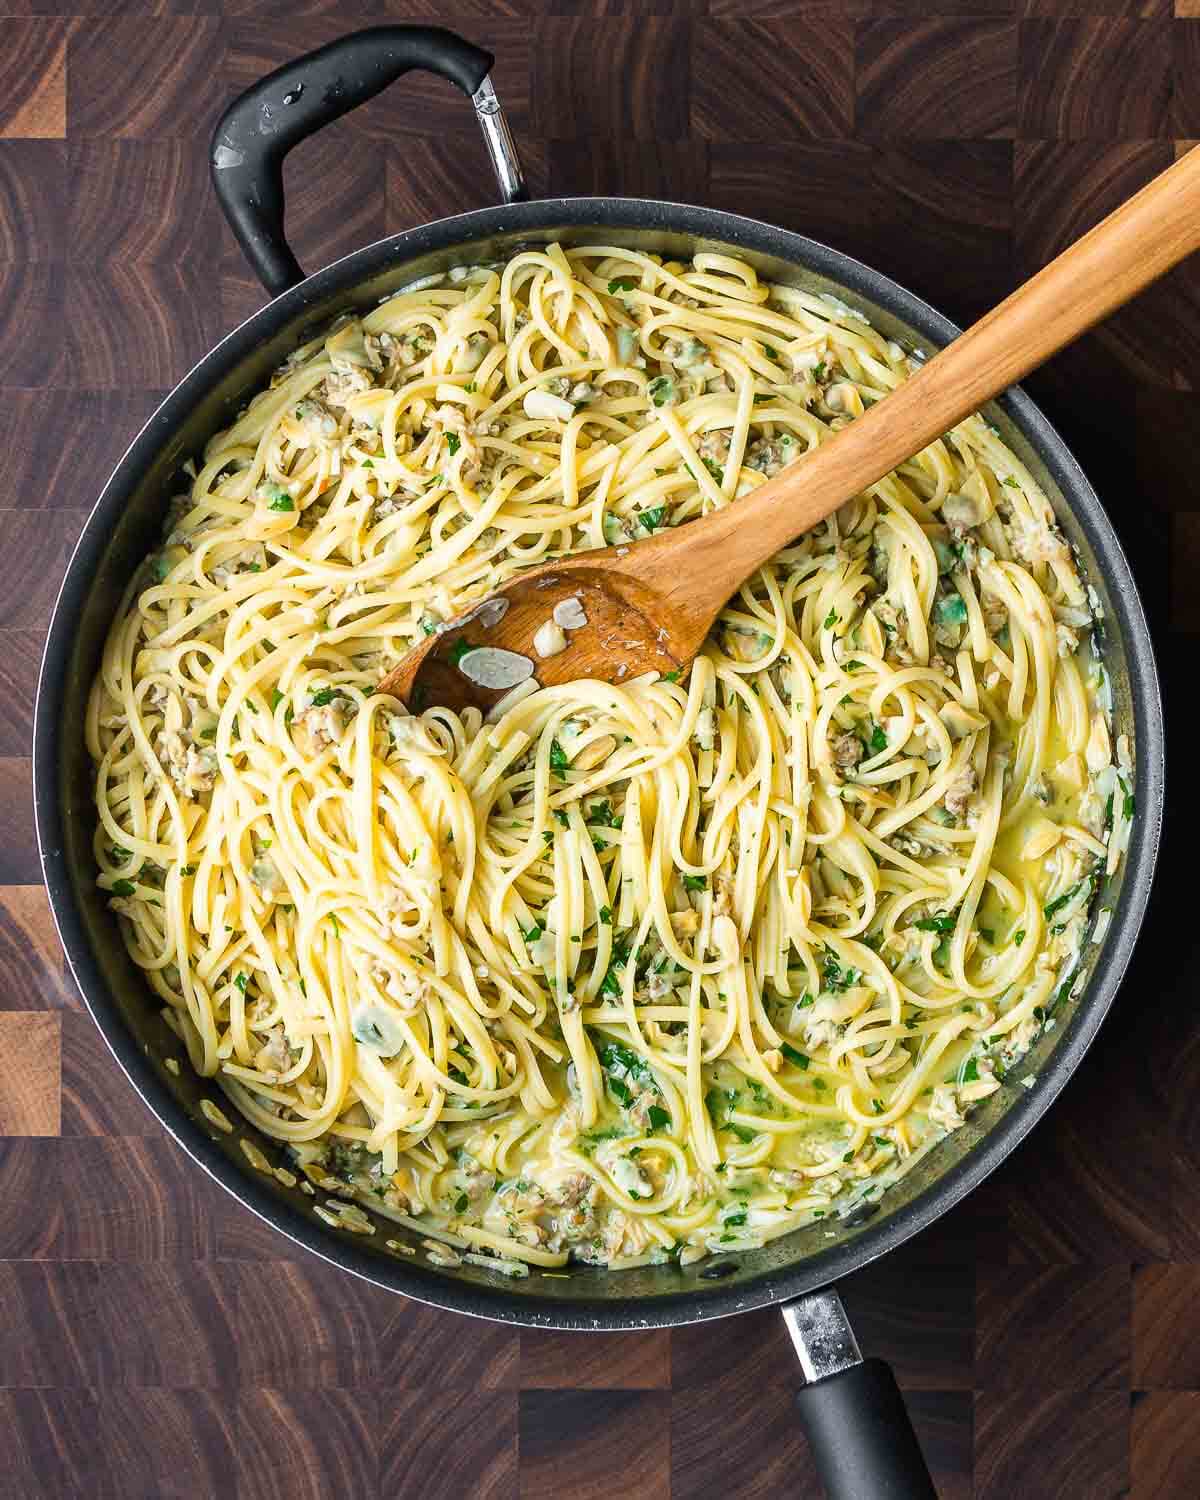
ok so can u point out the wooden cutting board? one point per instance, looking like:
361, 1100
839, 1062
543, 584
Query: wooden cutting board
156, 1340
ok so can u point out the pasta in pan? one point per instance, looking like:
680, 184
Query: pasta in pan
630, 971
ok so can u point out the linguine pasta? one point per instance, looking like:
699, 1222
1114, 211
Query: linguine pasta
629, 970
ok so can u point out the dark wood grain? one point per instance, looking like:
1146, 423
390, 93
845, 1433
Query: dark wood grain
1163, 1455
640, 92
1083, 1203
32, 199
1185, 57
920, 1318
61, 446
288, 1441
412, 1445
189, 1350
1094, 77
134, 1198
38, 548
577, 1434
947, 205
159, 1340
754, 1451
134, 324
20, 655
703, 1354
90, 1105
1062, 1327
32, 345
773, 81
111, 181
595, 1361
800, 186
52, 1446
31, 1084
122, 88
19, 864
939, 78
295, 1336
1166, 1327
33, 82
49, 1330
29, 1177
1030, 1442
414, 1352
32, 968
169, 1444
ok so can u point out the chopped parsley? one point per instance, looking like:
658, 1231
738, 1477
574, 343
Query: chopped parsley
661, 390
242, 981
458, 650
611, 984
695, 883
1067, 896
123, 888
605, 915
800, 1059
323, 696
602, 813
653, 518
624, 1067
621, 284
834, 975
718, 1102
453, 443
943, 922
558, 758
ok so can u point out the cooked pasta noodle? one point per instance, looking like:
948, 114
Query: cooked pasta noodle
632, 969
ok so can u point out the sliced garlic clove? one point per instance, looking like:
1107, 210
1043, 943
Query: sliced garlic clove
569, 613
541, 406
492, 667
550, 639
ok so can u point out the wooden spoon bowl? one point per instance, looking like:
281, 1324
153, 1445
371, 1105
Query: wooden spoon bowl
623, 636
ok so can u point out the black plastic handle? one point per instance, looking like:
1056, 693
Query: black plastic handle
861, 1436
262, 125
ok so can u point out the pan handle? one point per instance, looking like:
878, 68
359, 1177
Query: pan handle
262, 125
851, 1409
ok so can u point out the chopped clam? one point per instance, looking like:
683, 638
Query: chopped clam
594, 753
1041, 837
541, 406
569, 613
1099, 747
492, 667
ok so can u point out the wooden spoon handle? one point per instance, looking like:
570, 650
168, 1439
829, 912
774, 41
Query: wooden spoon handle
1128, 250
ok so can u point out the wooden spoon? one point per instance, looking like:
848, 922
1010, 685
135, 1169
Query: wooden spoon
648, 606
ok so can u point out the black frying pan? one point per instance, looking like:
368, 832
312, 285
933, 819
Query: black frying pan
851, 1409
